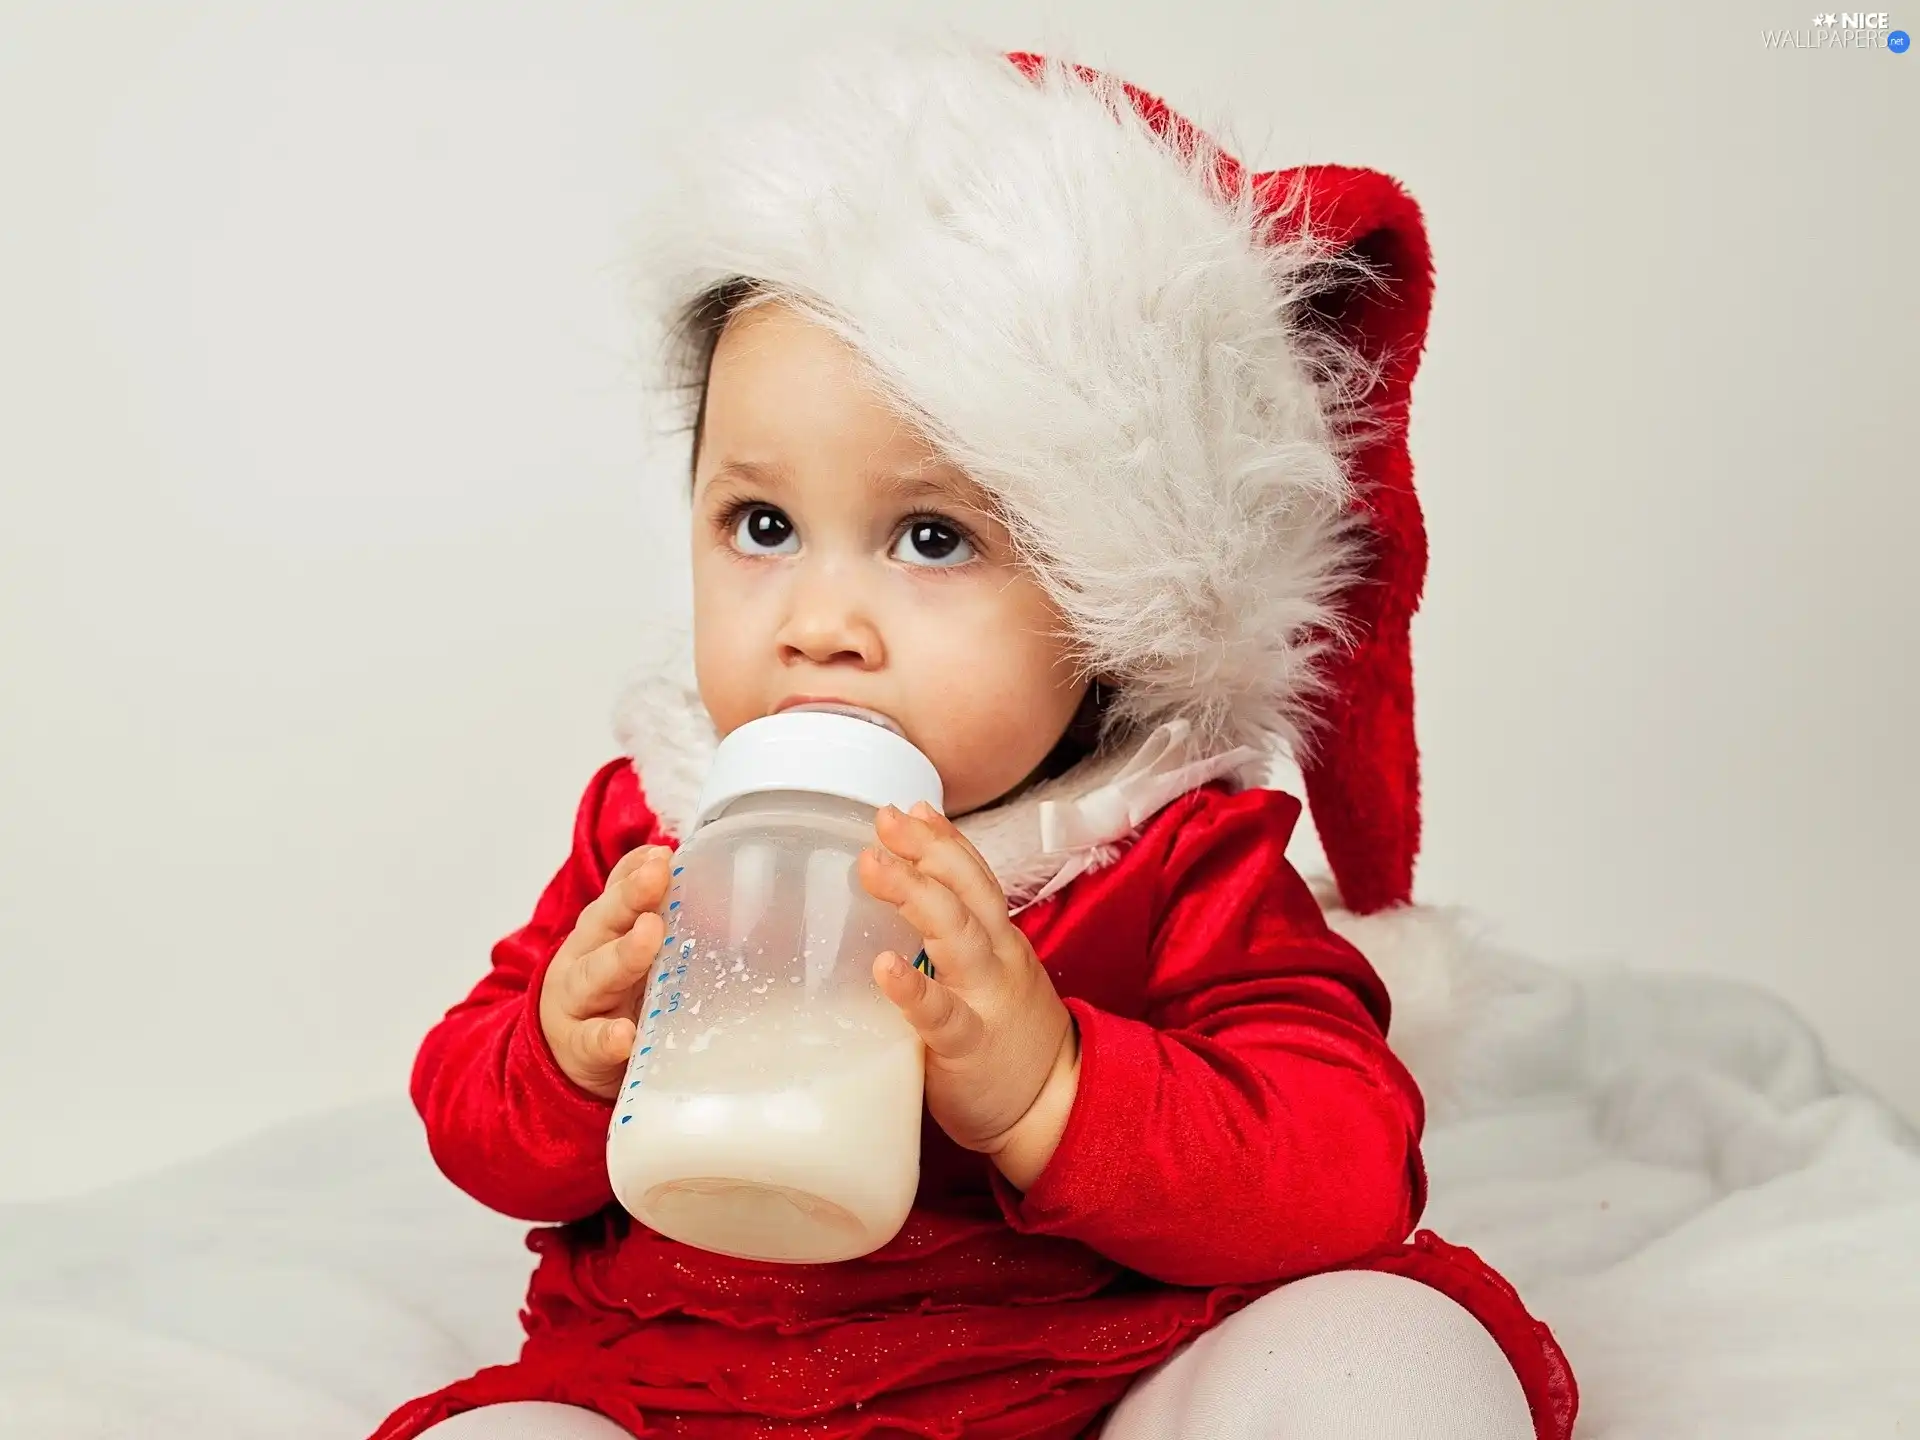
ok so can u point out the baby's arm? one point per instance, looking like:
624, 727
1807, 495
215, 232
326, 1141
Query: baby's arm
504, 1120
1254, 1125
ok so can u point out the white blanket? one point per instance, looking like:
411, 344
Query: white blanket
1724, 1234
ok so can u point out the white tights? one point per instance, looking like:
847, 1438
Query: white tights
1354, 1355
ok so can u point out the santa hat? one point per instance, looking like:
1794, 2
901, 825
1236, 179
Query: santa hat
1186, 385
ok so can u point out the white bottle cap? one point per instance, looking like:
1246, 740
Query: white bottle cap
827, 753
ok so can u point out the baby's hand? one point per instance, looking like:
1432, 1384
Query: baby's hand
593, 988
1003, 1060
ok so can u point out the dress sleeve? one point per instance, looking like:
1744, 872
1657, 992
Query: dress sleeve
1252, 1126
503, 1121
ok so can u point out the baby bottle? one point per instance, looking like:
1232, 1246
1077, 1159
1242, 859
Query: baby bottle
771, 1110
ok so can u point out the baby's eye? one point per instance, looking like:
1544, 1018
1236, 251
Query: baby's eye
763, 530
932, 542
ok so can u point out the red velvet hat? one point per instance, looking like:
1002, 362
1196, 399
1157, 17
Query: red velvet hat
1185, 384
1361, 761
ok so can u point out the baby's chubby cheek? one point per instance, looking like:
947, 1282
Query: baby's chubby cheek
984, 739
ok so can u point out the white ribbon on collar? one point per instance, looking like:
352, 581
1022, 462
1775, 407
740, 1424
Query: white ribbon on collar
1166, 766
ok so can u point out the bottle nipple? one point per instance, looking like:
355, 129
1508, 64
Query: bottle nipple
833, 707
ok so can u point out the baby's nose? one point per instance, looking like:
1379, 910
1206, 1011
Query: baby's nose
821, 647
827, 628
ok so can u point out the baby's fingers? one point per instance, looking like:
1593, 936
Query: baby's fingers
636, 885
604, 1045
935, 844
950, 1027
954, 934
608, 979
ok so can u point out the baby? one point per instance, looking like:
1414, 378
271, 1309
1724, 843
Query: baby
1024, 417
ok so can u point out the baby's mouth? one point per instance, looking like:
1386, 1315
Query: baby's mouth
828, 707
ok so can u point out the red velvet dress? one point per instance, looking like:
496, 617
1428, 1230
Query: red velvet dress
1240, 1122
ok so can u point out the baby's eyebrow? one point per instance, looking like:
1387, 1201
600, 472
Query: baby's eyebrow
751, 472
894, 484
897, 487
905, 485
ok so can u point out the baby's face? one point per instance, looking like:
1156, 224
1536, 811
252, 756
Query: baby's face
837, 557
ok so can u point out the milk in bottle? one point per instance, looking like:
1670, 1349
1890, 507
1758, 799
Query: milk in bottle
772, 1106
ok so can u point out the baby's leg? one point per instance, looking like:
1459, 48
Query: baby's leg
526, 1420
1354, 1355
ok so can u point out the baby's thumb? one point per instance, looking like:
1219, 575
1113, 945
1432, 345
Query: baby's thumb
605, 1043
949, 1027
